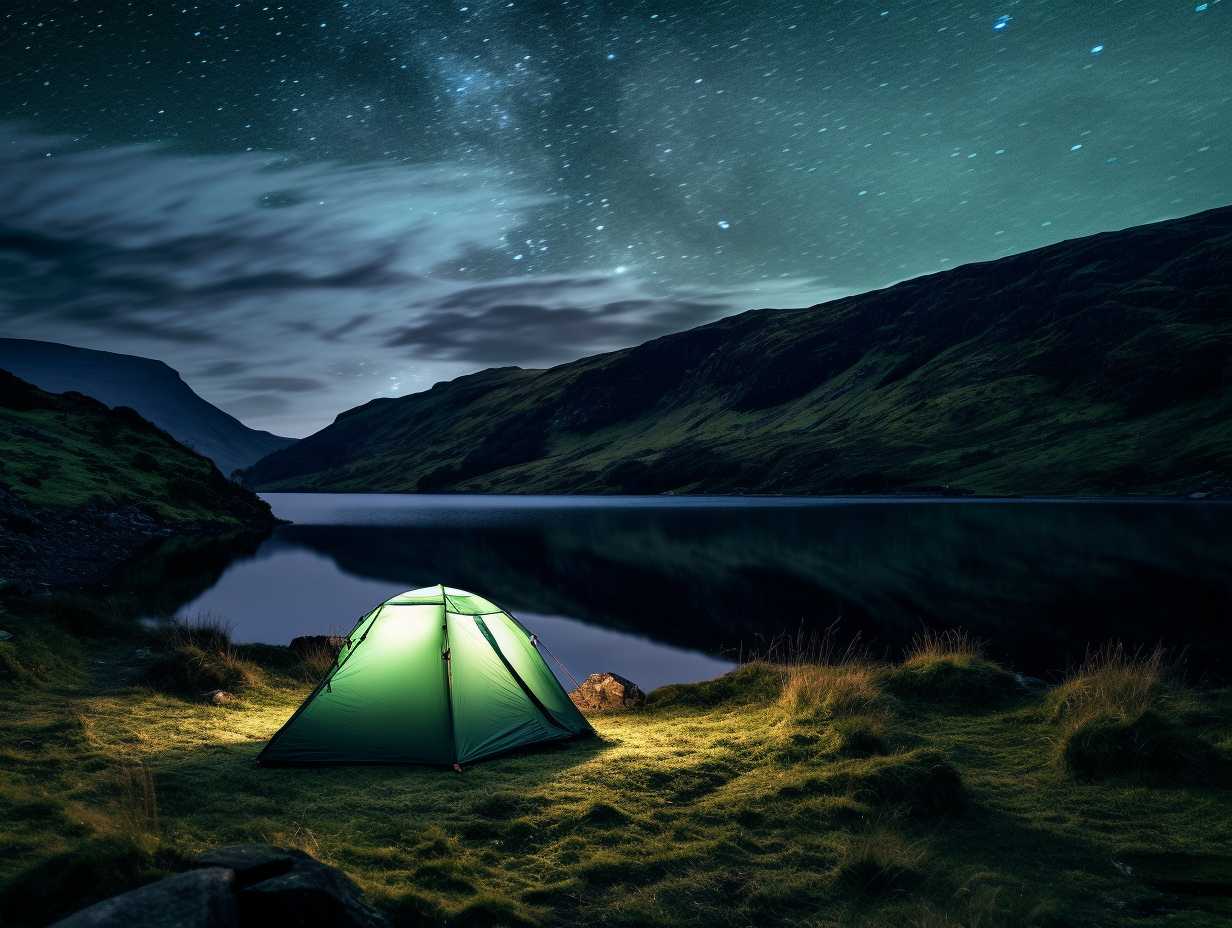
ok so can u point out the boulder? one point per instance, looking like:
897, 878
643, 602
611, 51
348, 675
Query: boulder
305, 645
285, 887
607, 691
251, 863
203, 898
240, 886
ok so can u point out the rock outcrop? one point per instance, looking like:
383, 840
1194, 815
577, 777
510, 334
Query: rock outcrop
602, 691
239, 886
202, 898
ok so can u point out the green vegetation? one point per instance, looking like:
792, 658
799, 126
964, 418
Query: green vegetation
804, 793
1091, 367
197, 659
1122, 716
65, 452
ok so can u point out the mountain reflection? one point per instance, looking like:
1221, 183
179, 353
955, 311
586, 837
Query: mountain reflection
1038, 581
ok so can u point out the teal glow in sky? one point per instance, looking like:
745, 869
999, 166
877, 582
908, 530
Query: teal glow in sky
379, 194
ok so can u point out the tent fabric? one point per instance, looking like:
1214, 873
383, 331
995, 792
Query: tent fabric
431, 676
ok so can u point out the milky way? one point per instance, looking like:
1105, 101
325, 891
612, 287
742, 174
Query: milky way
303, 205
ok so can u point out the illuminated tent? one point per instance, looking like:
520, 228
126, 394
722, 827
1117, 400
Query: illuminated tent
433, 676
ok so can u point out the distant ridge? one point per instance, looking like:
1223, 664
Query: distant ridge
148, 386
1098, 366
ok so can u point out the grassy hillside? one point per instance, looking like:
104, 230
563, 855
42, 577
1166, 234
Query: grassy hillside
1095, 366
83, 486
69, 451
935, 793
155, 390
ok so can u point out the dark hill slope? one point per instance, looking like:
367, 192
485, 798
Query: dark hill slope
1094, 366
150, 387
84, 486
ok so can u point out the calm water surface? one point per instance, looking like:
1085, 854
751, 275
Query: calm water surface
665, 589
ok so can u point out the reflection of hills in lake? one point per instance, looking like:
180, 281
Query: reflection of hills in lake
1038, 580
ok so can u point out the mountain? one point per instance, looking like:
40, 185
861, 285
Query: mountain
84, 486
1094, 366
150, 387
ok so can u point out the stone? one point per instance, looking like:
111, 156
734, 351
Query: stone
305, 645
196, 899
602, 691
251, 862
311, 895
282, 886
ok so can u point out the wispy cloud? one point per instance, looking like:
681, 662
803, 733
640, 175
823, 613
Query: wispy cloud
288, 291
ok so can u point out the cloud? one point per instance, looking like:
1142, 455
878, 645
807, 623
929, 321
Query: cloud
534, 333
258, 405
278, 384
288, 291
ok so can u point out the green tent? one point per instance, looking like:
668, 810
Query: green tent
433, 676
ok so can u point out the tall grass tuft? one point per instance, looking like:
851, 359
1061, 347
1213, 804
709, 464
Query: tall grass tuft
950, 667
1111, 681
953, 644
137, 805
204, 630
1118, 715
200, 659
316, 661
822, 679
831, 691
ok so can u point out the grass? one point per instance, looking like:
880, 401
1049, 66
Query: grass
66, 451
316, 660
1111, 682
197, 659
1126, 715
812, 795
950, 667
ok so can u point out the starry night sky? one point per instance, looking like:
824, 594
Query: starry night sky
304, 205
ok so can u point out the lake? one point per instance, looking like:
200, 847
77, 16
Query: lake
664, 589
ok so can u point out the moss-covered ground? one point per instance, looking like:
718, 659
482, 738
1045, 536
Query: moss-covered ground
939, 792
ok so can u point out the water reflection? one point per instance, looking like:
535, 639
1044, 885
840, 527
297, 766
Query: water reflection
686, 579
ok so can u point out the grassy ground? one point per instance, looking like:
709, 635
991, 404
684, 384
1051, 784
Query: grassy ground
934, 793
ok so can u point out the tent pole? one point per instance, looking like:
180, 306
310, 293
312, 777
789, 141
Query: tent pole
447, 659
